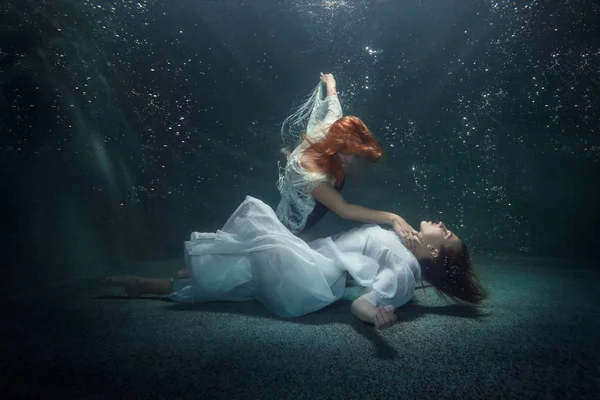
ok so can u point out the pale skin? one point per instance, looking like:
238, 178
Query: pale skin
424, 244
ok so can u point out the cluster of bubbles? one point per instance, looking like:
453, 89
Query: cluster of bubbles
519, 60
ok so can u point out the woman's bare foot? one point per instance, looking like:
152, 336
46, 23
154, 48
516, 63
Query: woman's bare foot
131, 284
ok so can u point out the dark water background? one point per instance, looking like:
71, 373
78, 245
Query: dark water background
126, 125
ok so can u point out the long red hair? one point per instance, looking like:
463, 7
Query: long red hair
349, 136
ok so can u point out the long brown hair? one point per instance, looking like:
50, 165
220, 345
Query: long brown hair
451, 274
349, 136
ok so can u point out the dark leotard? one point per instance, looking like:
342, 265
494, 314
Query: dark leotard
320, 209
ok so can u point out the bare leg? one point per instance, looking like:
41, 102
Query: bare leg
136, 286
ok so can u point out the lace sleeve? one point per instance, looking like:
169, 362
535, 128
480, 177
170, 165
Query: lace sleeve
313, 117
326, 112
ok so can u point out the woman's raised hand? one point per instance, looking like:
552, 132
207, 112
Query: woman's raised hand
328, 79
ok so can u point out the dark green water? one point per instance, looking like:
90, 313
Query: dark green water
126, 125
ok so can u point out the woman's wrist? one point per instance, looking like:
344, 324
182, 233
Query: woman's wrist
331, 91
394, 219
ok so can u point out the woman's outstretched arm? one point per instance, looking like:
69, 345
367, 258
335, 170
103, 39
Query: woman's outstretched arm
334, 108
329, 110
330, 84
333, 200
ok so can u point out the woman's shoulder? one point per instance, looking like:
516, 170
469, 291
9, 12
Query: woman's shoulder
304, 165
307, 162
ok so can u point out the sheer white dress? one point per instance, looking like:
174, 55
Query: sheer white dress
255, 257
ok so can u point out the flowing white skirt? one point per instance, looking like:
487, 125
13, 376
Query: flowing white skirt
255, 257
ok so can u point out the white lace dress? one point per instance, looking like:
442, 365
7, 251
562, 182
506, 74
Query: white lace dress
295, 183
255, 257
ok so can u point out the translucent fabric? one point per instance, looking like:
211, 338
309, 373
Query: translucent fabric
295, 183
255, 257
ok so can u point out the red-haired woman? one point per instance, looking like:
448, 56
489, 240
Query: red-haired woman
314, 173
255, 257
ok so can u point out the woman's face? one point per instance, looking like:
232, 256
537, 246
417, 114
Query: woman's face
436, 234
